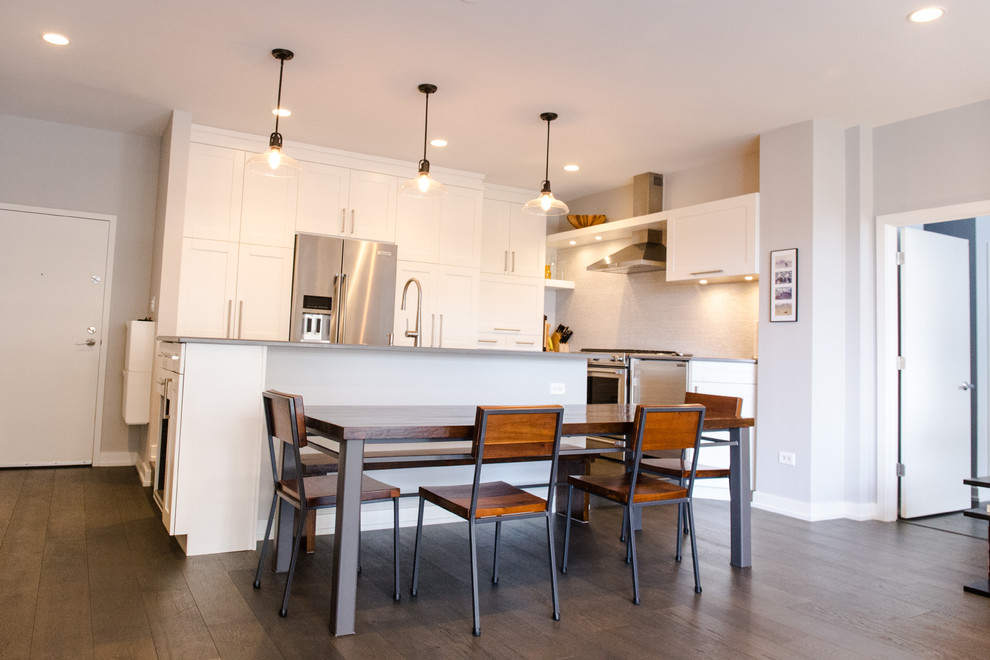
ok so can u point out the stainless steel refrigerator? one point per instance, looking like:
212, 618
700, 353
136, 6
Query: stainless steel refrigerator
343, 291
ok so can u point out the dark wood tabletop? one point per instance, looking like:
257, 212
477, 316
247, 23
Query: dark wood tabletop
393, 423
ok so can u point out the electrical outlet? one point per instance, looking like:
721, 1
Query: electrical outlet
556, 388
787, 458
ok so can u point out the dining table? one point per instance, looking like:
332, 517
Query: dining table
345, 430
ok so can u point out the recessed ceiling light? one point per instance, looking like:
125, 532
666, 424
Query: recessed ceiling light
55, 39
281, 112
926, 15
702, 281
598, 238
571, 168
748, 278
573, 242
438, 142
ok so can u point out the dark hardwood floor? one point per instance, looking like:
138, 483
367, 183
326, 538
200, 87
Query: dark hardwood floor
87, 570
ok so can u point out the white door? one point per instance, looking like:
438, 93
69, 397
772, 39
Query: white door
52, 301
935, 399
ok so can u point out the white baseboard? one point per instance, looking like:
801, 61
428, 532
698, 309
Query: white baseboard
145, 472
115, 459
815, 511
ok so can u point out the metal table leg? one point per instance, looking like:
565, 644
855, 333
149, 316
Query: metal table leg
347, 533
740, 494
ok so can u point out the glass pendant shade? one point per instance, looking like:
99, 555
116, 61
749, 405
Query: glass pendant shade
274, 162
424, 185
546, 203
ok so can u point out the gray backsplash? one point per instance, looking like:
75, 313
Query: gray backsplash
643, 310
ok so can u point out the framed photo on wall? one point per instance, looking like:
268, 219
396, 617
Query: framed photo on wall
783, 285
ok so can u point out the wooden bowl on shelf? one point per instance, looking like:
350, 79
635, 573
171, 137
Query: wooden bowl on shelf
579, 221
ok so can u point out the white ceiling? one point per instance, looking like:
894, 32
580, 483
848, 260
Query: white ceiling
640, 85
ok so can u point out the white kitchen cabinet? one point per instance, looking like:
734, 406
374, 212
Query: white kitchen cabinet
713, 241
338, 201
213, 193
513, 243
232, 291
268, 211
449, 307
724, 378
511, 310
444, 230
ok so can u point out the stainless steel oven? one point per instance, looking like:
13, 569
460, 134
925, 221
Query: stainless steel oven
607, 381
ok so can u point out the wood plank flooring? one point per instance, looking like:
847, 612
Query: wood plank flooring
87, 571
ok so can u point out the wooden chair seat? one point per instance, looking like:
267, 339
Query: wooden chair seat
322, 491
315, 465
678, 468
495, 498
615, 487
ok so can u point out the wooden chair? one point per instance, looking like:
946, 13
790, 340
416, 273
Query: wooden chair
657, 428
680, 469
501, 434
286, 422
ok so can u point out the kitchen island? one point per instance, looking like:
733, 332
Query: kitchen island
217, 478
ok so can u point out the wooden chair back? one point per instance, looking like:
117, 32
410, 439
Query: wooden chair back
668, 427
516, 432
286, 421
716, 405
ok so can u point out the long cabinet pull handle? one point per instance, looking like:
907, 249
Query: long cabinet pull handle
513, 262
441, 331
433, 330
240, 318
506, 268
707, 272
487, 341
230, 317
343, 221
352, 221
507, 329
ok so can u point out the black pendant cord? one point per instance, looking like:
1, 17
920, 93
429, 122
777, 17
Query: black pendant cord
546, 172
426, 126
278, 101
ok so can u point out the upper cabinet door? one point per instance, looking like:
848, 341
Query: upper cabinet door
527, 242
460, 227
213, 193
417, 228
372, 206
495, 237
713, 240
268, 212
322, 206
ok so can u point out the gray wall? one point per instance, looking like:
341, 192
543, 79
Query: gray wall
81, 169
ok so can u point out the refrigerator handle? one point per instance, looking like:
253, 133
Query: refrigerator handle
342, 309
335, 301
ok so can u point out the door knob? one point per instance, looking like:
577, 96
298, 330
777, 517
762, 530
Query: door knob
967, 386
88, 342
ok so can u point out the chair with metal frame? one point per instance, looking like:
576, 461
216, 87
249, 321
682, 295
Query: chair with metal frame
501, 434
680, 469
285, 419
658, 428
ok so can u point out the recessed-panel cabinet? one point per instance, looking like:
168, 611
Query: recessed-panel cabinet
337, 201
445, 230
213, 193
231, 291
714, 240
510, 311
513, 243
449, 308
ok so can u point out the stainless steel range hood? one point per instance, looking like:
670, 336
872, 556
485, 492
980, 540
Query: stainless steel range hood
643, 257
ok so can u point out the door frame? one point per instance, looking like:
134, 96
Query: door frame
888, 425
111, 220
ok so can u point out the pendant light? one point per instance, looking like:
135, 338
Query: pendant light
273, 162
546, 203
424, 185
